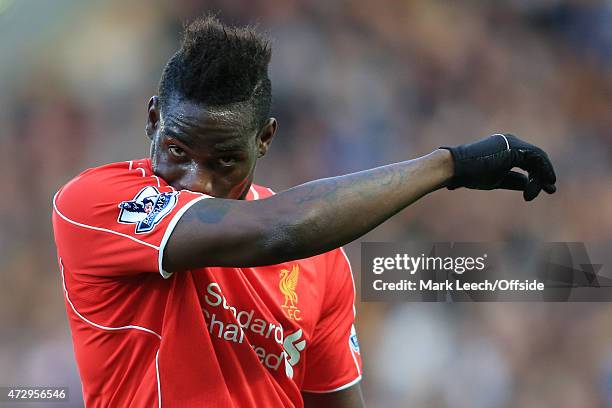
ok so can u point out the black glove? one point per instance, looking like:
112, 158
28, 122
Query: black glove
486, 165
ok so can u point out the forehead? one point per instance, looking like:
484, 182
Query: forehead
201, 126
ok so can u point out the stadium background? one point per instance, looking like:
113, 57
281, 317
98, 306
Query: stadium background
356, 84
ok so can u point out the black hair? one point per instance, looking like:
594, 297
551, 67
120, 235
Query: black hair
218, 65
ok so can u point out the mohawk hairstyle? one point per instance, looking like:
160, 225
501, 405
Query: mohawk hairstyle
220, 66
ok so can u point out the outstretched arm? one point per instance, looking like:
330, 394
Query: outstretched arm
324, 214
303, 221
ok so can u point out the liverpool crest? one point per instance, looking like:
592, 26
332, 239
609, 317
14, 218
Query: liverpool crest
287, 285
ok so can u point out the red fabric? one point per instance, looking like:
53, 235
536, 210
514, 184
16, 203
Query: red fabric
214, 337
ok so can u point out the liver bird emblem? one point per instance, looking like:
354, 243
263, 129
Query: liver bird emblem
287, 285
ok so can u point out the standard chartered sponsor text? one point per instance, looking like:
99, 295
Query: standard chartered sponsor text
456, 285
291, 346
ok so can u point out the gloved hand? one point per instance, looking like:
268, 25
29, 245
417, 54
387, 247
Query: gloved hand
486, 165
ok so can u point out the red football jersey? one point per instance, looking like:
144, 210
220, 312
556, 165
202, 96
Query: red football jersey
214, 337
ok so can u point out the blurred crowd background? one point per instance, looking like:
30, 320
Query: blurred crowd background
356, 84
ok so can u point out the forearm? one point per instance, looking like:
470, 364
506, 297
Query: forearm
303, 221
324, 214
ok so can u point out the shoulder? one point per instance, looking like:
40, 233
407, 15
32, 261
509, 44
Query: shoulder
337, 259
339, 277
258, 192
112, 182
117, 174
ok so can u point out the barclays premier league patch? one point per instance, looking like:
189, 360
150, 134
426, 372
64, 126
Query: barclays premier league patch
147, 209
353, 340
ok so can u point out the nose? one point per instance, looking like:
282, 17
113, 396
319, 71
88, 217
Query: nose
198, 180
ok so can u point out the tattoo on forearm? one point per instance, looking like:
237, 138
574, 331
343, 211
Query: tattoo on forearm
328, 190
213, 213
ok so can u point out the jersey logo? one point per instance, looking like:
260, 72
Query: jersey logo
147, 209
293, 345
353, 340
288, 283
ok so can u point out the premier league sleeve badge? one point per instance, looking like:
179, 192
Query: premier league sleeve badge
147, 209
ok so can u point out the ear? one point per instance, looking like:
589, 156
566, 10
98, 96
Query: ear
265, 137
152, 116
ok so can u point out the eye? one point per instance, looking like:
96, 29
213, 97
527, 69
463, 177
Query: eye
227, 161
176, 151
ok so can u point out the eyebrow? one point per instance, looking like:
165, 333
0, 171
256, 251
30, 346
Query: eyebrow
178, 136
229, 146
222, 147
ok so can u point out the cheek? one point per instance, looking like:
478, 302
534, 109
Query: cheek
164, 168
241, 179
238, 177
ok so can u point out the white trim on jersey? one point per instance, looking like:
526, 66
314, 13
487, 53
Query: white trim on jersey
352, 279
99, 228
354, 310
158, 183
255, 193
159, 395
169, 230
340, 388
354, 358
96, 325
108, 328
131, 167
